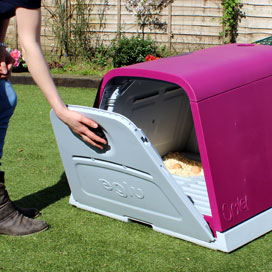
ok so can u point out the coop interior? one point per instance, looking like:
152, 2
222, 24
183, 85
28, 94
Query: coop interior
162, 110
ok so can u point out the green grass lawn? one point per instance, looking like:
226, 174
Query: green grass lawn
79, 240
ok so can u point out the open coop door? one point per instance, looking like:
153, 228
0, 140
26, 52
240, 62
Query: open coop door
127, 180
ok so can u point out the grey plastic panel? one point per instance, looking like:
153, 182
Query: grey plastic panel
161, 109
128, 179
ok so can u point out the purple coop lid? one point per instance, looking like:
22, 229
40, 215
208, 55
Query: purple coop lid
207, 72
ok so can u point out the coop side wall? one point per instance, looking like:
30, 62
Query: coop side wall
234, 133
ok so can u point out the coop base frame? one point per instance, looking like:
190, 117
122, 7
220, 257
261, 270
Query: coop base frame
227, 241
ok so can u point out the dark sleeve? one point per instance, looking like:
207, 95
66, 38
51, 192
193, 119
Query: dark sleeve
31, 4
8, 7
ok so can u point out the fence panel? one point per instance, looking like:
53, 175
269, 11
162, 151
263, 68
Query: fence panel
258, 22
190, 24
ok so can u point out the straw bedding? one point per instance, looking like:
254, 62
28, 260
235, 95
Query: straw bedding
178, 164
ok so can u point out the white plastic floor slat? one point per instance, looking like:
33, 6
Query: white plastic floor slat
203, 211
197, 197
197, 186
205, 206
191, 190
196, 189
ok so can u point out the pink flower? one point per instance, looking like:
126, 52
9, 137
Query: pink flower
16, 54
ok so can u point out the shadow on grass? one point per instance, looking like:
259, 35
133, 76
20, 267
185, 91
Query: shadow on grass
47, 196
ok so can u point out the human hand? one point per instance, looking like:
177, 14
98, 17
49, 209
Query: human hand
79, 124
6, 63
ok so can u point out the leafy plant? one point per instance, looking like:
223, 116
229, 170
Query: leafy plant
95, 67
231, 18
60, 18
148, 13
127, 51
102, 56
82, 31
77, 36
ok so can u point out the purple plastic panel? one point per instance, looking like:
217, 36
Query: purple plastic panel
237, 133
206, 72
229, 88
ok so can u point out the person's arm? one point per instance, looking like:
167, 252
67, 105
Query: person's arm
29, 25
6, 60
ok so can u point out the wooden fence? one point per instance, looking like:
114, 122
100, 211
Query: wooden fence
191, 24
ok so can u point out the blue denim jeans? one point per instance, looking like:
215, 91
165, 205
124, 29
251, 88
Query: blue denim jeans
8, 101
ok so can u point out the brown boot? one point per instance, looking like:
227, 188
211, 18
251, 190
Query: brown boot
14, 223
28, 212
